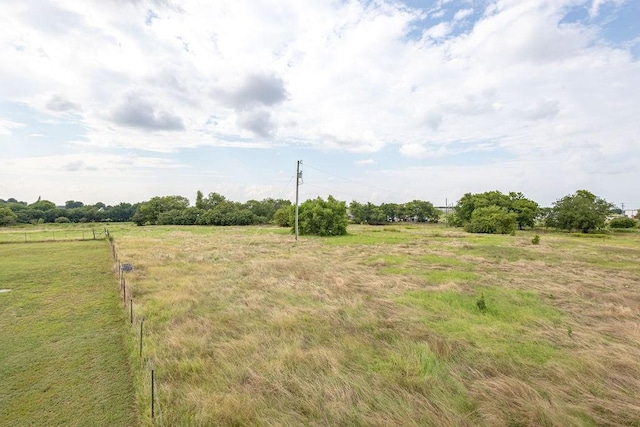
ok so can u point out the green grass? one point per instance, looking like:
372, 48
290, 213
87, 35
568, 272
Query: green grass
501, 332
63, 358
52, 233
382, 327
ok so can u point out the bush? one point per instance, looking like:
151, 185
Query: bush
622, 222
281, 217
536, 240
492, 220
7, 217
323, 218
62, 220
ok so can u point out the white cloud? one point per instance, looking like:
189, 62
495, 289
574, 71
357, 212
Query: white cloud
7, 126
438, 31
328, 76
462, 13
365, 162
103, 164
597, 4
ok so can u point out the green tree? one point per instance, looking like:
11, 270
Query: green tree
421, 211
43, 205
70, 204
265, 209
526, 210
282, 215
148, 212
391, 210
582, 211
7, 217
491, 219
622, 222
463, 210
356, 212
15, 206
30, 215
227, 213
211, 201
199, 200
119, 213
323, 218
367, 213
187, 216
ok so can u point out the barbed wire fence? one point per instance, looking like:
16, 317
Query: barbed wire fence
146, 364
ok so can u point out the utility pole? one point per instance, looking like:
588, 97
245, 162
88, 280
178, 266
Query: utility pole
298, 182
446, 212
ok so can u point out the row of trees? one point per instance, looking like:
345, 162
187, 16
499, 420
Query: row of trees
488, 212
13, 212
416, 210
494, 212
214, 209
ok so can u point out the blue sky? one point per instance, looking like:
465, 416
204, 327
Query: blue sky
384, 101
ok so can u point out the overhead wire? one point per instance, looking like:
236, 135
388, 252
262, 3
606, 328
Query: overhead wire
386, 191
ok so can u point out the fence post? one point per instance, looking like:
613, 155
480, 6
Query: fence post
131, 306
153, 412
141, 323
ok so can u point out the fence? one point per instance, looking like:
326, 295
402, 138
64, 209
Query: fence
136, 322
50, 235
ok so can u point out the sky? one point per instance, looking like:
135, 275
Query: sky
382, 100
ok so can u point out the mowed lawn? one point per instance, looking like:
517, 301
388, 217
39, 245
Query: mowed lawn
383, 327
63, 357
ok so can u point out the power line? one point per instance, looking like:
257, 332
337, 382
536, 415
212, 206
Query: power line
330, 191
377, 188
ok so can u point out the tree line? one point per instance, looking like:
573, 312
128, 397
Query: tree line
13, 212
213, 209
488, 212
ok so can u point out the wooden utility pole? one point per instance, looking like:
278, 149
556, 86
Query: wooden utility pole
298, 179
446, 212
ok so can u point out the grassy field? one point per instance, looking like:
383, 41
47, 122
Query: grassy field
63, 354
382, 327
52, 233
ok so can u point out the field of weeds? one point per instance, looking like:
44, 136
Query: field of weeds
395, 325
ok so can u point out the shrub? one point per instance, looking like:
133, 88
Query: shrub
281, 217
323, 218
62, 220
622, 222
492, 220
7, 217
536, 240
481, 303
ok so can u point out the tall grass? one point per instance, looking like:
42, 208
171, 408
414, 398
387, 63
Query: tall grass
381, 327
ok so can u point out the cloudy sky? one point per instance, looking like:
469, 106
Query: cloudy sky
382, 100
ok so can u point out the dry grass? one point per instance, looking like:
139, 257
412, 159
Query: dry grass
248, 327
